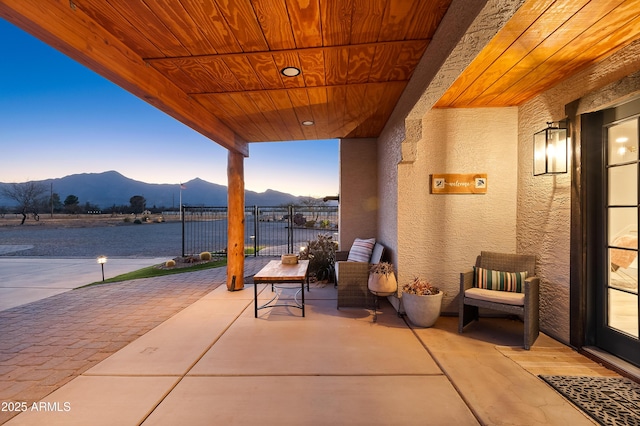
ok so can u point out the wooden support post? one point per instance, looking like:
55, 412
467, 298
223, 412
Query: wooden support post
235, 220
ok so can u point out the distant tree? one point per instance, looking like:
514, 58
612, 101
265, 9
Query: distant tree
54, 203
311, 205
28, 195
114, 210
90, 208
50, 204
71, 204
299, 219
71, 199
137, 203
42, 205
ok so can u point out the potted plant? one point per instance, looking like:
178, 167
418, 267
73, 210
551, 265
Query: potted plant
322, 257
382, 280
422, 302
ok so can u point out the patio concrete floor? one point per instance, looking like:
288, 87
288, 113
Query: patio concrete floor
212, 362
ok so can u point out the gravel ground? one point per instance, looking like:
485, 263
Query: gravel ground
127, 240
92, 236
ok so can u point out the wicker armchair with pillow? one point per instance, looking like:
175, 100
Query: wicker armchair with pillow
503, 282
352, 272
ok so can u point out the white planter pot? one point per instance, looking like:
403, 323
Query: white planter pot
382, 284
422, 311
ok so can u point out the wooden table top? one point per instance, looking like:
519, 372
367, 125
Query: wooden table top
275, 271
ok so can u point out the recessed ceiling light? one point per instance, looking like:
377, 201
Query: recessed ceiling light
290, 71
308, 123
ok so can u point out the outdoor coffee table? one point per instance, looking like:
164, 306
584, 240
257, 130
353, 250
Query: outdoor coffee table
274, 273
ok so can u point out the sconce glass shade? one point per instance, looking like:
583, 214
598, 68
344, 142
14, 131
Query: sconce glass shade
550, 151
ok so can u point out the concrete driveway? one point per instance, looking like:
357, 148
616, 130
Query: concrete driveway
27, 279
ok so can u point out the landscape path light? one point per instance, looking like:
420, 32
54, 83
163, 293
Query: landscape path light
102, 260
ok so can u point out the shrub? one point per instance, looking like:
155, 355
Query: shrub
205, 255
170, 263
321, 254
127, 219
137, 221
299, 220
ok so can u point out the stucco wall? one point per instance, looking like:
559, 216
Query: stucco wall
389, 156
358, 190
542, 203
544, 208
441, 235
466, 28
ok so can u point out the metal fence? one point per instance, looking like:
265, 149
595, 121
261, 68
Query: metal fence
269, 231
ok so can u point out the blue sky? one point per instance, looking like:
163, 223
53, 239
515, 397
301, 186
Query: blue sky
59, 118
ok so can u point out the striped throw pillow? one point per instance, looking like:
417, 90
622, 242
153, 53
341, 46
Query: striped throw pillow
361, 250
499, 280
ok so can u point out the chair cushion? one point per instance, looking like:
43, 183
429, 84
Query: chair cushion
506, 297
499, 280
376, 255
507, 262
361, 250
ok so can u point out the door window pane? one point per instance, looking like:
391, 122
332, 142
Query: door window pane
623, 228
623, 142
624, 269
623, 312
623, 185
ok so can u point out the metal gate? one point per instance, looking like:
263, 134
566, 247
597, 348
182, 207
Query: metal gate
269, 231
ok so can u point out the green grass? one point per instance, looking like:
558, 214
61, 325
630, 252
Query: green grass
152, 271
249, 251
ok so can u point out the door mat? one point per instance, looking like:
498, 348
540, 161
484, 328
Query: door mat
608, 400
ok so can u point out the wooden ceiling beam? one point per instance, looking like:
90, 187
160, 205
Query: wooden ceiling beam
286, 89
62, 26
412, 44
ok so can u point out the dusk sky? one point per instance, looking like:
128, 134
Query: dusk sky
59, 118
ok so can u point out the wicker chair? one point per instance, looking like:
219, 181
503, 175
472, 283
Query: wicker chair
352, 279
528, 309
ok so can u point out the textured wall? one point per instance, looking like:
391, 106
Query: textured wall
441, 235
389, 156
542, 217
358, 190
544, 221
544, 202
467, 26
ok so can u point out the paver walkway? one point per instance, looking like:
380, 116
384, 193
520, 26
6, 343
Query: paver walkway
28, 279
47, 343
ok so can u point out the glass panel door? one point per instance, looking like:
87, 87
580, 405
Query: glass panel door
620, 305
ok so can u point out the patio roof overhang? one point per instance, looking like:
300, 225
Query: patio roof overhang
216, 66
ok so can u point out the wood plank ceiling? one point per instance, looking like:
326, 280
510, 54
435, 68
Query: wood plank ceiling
355, 57
216, 65
544, 43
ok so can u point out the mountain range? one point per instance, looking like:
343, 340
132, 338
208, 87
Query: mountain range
111, 188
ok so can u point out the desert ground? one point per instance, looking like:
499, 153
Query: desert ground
89, 236
61, 220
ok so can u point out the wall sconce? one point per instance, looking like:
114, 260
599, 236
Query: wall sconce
102, 260
550, 150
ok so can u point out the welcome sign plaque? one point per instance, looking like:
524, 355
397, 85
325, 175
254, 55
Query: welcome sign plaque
471, 183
